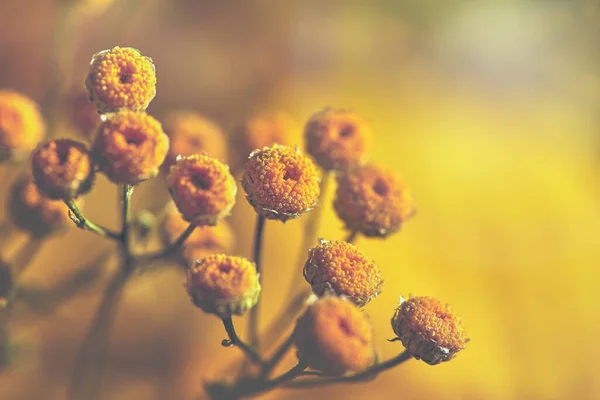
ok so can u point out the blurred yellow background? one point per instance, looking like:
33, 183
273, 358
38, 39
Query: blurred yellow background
489, 109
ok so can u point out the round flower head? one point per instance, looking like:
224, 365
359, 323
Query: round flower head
21, 125
372, 201
337, 138
428, 329
202, 188
190, 134
82, 113
281, 183
130, 147
121, 78
266, 129
335, 337
62, 169
35, 213
339, 267
223, 285
202, 242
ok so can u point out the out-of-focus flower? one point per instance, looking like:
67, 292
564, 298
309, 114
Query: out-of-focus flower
87, 8
269, 128
121, 78
21, 125
82, 113
130, 147
203, 241
281, 183
337, 138
62, 169
335, 337
372, 200
223, 285
35, 213
340, 268
202, 188
191, 133
428, 329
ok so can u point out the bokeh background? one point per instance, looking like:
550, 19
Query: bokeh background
489, 109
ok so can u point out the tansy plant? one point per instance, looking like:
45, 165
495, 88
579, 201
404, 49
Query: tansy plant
333, 337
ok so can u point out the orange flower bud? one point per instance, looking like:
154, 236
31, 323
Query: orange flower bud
269, 128
190, 134
335, 337
130, 147
281, 183
121, 78
202, 188
223, 285
21, 125
203, 241
372, 200
35, 213
337, 138
428, 329
339, 267
62, 169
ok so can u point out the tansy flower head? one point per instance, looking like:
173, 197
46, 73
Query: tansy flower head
62, 169
267, 129
202, 242
281, 183
223, 285
130, 147
202, 188
35, 213
190, 134
335, 337
121, 78
82, 113
339, 267
372, 200
21, 125
428, 329
337, 138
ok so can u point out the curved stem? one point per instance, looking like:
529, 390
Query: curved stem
234, 340
254, 312
369, 373
171, 249
277, 356
352, 236
259, 386
83, 223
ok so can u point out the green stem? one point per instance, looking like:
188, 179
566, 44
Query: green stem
260, 386
172, 248
126, 217
369, 373
277, 356
254, 311
83, 223
234, 340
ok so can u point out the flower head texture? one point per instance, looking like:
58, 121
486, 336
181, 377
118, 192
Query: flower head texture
428, 329
202, 242
268, 128
191, 133
223, 285
62, 169
335, 337
21, 125
372, 200
339, 267
202, 188
281, 183
337, 138
130, 147
35, 213
121, 78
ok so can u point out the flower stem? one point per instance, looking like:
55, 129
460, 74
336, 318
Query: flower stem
83, 223
234, 340
172, 248
277, 356
260, 386
367, 374
254, 311
126, 217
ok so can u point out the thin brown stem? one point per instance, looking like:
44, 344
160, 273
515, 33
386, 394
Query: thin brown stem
171, 249
234, 340
277, 356
83, 223
259, 386
352, 236
254, 312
